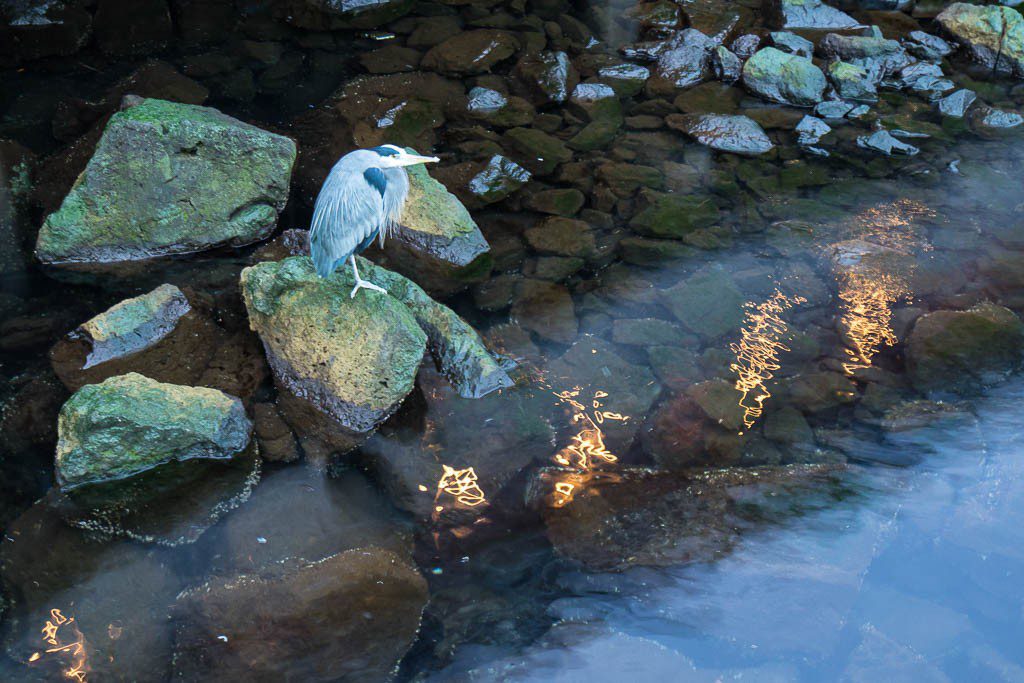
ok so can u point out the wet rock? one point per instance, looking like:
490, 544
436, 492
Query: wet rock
992, 123
46, 564
810, 130
497, 180
815, 392
437, 242
431, 31
726, 133
625, 179
852, 82
561, 202
957, 103
784, 78
959, 352
883, 141
537, 151
131, 423
686, 62
746, 45
725, 65
390, 59
471, 52
926, 46
283, 622
674, 216
925, 78
810, 14
562, 237
494, 108
645, 332
33, 29
547, 309
273, 435
787, 425
992, 35
674, 434
626, 79
169, 505
329, 15
707, 303
549, 76
165, 180
879, 56
716, 19
657, 14
792, 43
833, 109
138, 28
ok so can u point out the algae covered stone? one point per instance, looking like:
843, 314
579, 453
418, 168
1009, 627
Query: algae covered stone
784, 78
131, 423
992, 35
169, 178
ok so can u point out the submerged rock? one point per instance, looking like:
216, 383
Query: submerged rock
884, 142
708, 303
956, 104
471, 52
784, 78
535, 150
349, 617
437, 242
329, 15
992, 35
810, 14
170, 178
725, 133
992, 123
548, 76
131, 423
497, 180
959, 352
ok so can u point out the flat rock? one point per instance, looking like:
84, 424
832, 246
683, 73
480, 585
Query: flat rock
471, 52
547, 309
723, 132
165, 179
810, 14
708, 303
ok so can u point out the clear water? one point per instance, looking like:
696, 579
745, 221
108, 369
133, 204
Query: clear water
882, 542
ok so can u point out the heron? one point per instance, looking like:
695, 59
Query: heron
360, 201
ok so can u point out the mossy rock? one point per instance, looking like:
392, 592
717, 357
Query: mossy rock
170, 178
784, 78
674, 216
130, 423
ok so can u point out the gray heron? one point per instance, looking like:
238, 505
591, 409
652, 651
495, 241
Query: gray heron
361, 200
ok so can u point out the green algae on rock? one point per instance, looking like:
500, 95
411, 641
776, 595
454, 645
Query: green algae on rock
992, 35
784, 78
169, 178
131, 423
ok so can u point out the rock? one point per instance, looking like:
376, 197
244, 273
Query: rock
879, 56
471, 52
33, 29
686, 62
139, 28
548, 76
926, 46
810, 14
792, 43
626, 79
852, 82
956, 104
992, 35
746, 45
645, 332
330, 15
810, 130
494, 108
131, 423
547, 309
565, 202
656, 14
294, 606
562, 237
674, 434
537, 151
726, 66
883, 141
959, 352
992, 123
497, 180
166, 179
815, 392
390, 59
624, 179
674, 216
437, 242
430, 31
833, 109
787, 425
716, 19
725, 133
707, 303
784, 78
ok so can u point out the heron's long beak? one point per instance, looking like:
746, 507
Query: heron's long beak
412, 159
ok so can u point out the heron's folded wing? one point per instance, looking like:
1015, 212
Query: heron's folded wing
348, 210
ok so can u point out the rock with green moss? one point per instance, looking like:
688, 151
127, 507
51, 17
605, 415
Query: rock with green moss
537, 151
674, 216
784, 78
992, 35
499, 178
437, 243
708, 303
130, 423
959, 352
852, 82
170, 178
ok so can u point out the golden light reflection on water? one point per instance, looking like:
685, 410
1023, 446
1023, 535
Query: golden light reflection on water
55, 636
757, 352
586, 451
461, 485
866, 315
894, 224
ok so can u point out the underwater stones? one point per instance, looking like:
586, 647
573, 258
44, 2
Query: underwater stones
494, 108
959, 352
719, 400
883, 141
810, 14
390, 59
329, 15
991, 35
547, 309
957, 103
549, 76
284, 622
537, 151
351, 360
784, 78
707, 303
170, 178
562, 237
437, 242
645, 332
131, 423
626, 80
684, 63
674, 216
565, 201
497, 180
471, 52
852, 82
989, 122
724, 132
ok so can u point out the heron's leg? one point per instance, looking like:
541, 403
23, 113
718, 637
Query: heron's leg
361, 283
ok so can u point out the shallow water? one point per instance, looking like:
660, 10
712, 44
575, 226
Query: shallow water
718, 461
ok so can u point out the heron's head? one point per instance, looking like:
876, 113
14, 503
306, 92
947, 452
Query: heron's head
392, 156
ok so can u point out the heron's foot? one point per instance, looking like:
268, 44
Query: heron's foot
363, 284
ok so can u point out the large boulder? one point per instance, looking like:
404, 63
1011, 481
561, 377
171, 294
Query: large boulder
810, 14
170, 178
958, 352
349, 617
437, 243
784, 78
131, 423
992, 35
